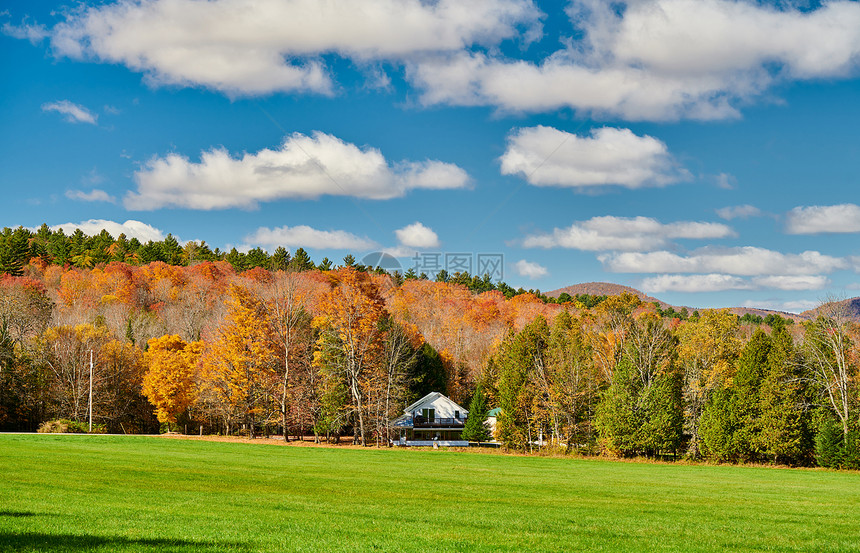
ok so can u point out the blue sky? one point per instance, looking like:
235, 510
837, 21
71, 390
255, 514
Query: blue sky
705, 151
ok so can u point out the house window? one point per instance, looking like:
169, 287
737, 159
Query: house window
456, 414
429, 414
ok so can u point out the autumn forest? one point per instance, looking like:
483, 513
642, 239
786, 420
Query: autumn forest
181, 337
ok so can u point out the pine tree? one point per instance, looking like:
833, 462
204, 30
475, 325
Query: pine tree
475, 429
280, 259
301, 261
517, 425
783, 427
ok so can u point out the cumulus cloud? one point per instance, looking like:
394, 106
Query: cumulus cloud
131, 228
95, 195
747, 261
529, 269
545, 156
657, 60
693, 283
631, 93
721, 282
74, 113
819, 219
417, 235
304, 167
738, 212
263, 46
624, 234
787, 282
308, 237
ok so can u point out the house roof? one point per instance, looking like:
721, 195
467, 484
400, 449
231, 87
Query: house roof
494, 412
432, 396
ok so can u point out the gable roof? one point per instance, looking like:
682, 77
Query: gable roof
432, 396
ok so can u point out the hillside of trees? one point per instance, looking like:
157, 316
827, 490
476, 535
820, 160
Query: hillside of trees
186, 337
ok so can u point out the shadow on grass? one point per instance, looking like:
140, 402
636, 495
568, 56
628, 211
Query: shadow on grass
34, 541
17, 514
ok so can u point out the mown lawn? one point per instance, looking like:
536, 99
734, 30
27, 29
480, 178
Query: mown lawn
88, 493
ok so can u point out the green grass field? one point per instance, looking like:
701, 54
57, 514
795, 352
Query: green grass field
94, 493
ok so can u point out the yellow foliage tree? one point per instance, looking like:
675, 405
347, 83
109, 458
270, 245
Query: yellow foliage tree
350, 324
239, 367
171, 371
708, 350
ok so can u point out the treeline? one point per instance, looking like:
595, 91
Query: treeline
18, 246
166, 347
340, 352
623, 380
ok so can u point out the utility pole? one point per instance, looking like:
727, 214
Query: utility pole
91, 391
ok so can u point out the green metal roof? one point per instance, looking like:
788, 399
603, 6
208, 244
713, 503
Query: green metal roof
494, 412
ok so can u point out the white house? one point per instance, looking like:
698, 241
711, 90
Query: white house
490, 423
432, 420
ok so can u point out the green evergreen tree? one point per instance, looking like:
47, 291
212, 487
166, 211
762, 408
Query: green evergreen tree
301, 261
236, 259
149, 253
616, 420
828, 441
661, 429
14, 251
280, 259
475, 429
171, 251
58, 248
719, 425
751, 368
428, 373
517, 425
256, 257
730, 421
783, 427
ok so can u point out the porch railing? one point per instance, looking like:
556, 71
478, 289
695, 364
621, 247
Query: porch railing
420, 421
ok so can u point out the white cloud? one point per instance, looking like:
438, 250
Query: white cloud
721, 282
818, 219
519, 86
725, 181
624, 234
308, 237
727, 37
263, 46
545, 156
94, 195
748, 260
796, 306
417, 235
800, 282
657, 60
738, 212
131, 228
694, 283
530, 269
304, 167
33, 33
74, 113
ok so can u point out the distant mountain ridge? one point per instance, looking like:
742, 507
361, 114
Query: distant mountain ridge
851, 309
610, 289
604, 289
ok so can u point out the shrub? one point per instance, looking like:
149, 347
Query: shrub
66, 426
